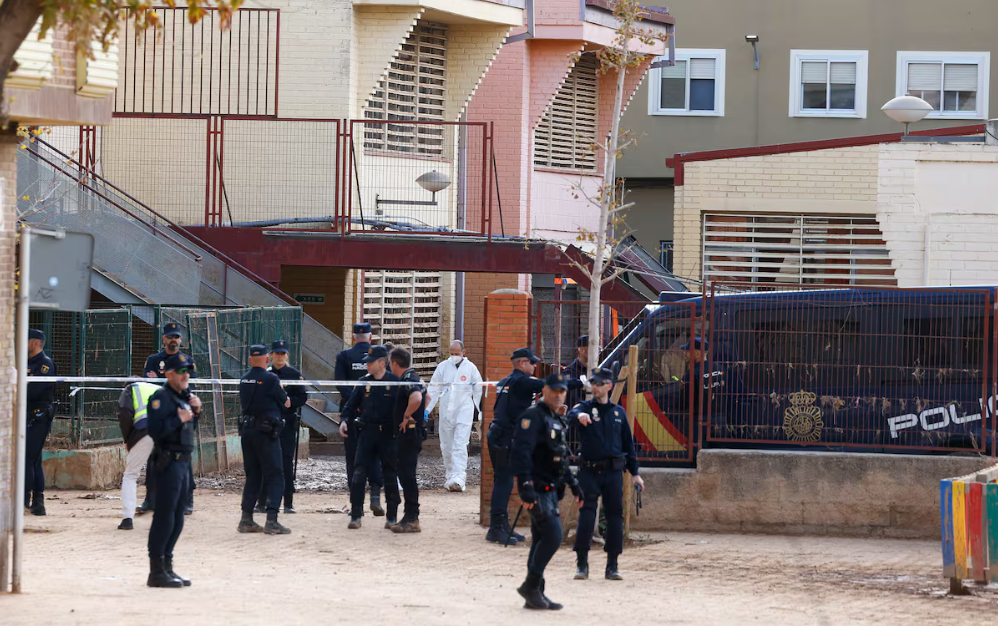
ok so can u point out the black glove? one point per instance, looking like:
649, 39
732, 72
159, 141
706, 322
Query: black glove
527, 493
577, 490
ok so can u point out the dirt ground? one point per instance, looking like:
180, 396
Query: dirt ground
79, 569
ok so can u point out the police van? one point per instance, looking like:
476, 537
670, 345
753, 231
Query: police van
866, 369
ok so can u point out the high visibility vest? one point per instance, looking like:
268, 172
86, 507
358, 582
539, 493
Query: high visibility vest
141, 392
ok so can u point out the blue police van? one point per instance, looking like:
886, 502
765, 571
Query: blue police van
841, 368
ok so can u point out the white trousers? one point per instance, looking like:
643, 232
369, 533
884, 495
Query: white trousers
134, 463
455, 431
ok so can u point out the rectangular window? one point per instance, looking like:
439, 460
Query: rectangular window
828, 83
415, 90
566, 135
694, 86
954, 83
665, 252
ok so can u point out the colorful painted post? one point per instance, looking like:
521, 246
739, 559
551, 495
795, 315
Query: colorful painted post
946, 517
974, 531
960, 529
991, 526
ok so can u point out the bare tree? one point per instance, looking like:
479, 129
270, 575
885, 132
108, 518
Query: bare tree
609, 236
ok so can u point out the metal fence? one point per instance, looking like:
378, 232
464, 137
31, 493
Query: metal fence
116, 342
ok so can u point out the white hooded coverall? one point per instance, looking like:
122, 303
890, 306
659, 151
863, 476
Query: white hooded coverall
457, 412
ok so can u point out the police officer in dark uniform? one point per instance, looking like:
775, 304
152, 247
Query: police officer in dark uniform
40, 415
578, 368
540, 460
410, 401
156, 368
171, 415
607, 448
289, 434
263, 400
514, 394
350, 366
370, 410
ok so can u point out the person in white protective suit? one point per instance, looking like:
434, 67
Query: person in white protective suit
457, 411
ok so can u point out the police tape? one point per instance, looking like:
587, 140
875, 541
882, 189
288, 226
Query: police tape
236, 381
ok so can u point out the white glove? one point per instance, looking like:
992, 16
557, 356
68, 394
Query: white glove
585, 383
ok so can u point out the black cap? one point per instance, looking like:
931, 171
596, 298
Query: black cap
696, 343
279, 346
178, 361
34, 333
172, 330
375, 353
362, 328
556, 382
582, 341
525, 353
601, 375
259, 350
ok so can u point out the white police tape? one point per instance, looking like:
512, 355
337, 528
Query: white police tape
236, 381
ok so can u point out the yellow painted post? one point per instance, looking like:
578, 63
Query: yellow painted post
632, 394
960, 529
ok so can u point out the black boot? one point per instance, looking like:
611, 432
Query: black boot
531, 592
511, 531
158, 576
289, 508
497, 531
168, 566
376, 507
145, 507
126, 524
611, 568
274, 527
38, 504
247, 525
554, 606
582, 565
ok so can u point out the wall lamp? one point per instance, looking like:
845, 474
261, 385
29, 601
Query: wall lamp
754, 40
431, 181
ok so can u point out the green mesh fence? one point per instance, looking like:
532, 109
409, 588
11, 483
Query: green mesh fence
116, 342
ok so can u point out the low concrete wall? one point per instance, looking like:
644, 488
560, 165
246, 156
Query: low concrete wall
886, 495
103, 468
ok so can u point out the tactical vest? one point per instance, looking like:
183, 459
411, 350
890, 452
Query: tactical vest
141, 392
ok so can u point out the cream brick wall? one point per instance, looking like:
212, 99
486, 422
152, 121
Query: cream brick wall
838, 181
378, 33
948, 192
471, 49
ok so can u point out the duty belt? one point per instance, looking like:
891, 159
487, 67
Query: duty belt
601, 465
179, 456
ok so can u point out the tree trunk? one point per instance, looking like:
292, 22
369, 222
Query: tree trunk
607, 198
17, 18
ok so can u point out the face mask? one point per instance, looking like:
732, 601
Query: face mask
456, 360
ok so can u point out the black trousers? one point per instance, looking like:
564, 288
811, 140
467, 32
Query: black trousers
502, 485
151, 485
410, 444
610, 486
288, 439
39, 426
168, 515
375, 447
262, 462
374, 477
545, 532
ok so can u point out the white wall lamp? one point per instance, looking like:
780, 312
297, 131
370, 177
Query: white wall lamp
907, 110
433, 182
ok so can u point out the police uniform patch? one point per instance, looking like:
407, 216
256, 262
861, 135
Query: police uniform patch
155, 404
162, 365
45, 369
525, 423
595, 414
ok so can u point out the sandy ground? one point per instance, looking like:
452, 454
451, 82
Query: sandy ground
80, 570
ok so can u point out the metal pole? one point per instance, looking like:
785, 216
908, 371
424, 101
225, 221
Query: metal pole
20, 432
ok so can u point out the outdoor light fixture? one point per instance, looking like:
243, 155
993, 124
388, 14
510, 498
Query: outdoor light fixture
754, 40
907, 110
433, 182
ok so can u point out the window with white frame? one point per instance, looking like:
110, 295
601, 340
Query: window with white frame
954, 83
694, 86
828, 83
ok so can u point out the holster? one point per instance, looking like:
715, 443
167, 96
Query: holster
161, 459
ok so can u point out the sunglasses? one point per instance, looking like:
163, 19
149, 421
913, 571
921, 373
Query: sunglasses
182, 371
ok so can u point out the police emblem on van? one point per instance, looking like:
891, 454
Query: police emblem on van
802, 421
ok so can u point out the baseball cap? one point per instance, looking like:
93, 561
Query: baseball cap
557, 382
375, 353
525, 353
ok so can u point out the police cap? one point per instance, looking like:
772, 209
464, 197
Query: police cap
34, 333
172, 330
694, 344
601, 375
375, 353
178, 361
362, 329
259, 350
582, 341
279, 346
525, 353
557, 382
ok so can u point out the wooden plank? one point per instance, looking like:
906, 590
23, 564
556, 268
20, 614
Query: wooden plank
991, 529
960, 529
946, 519
974, 535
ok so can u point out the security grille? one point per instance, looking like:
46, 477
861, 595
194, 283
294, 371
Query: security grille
567, 133
406, 310
415, 90
795, 249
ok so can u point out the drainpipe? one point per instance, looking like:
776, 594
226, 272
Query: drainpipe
925, 259
462, 208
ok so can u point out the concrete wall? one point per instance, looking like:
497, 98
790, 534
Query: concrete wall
882, 495
950, 192
650, 220
841, 181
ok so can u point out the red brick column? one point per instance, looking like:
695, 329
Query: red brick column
507, 327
